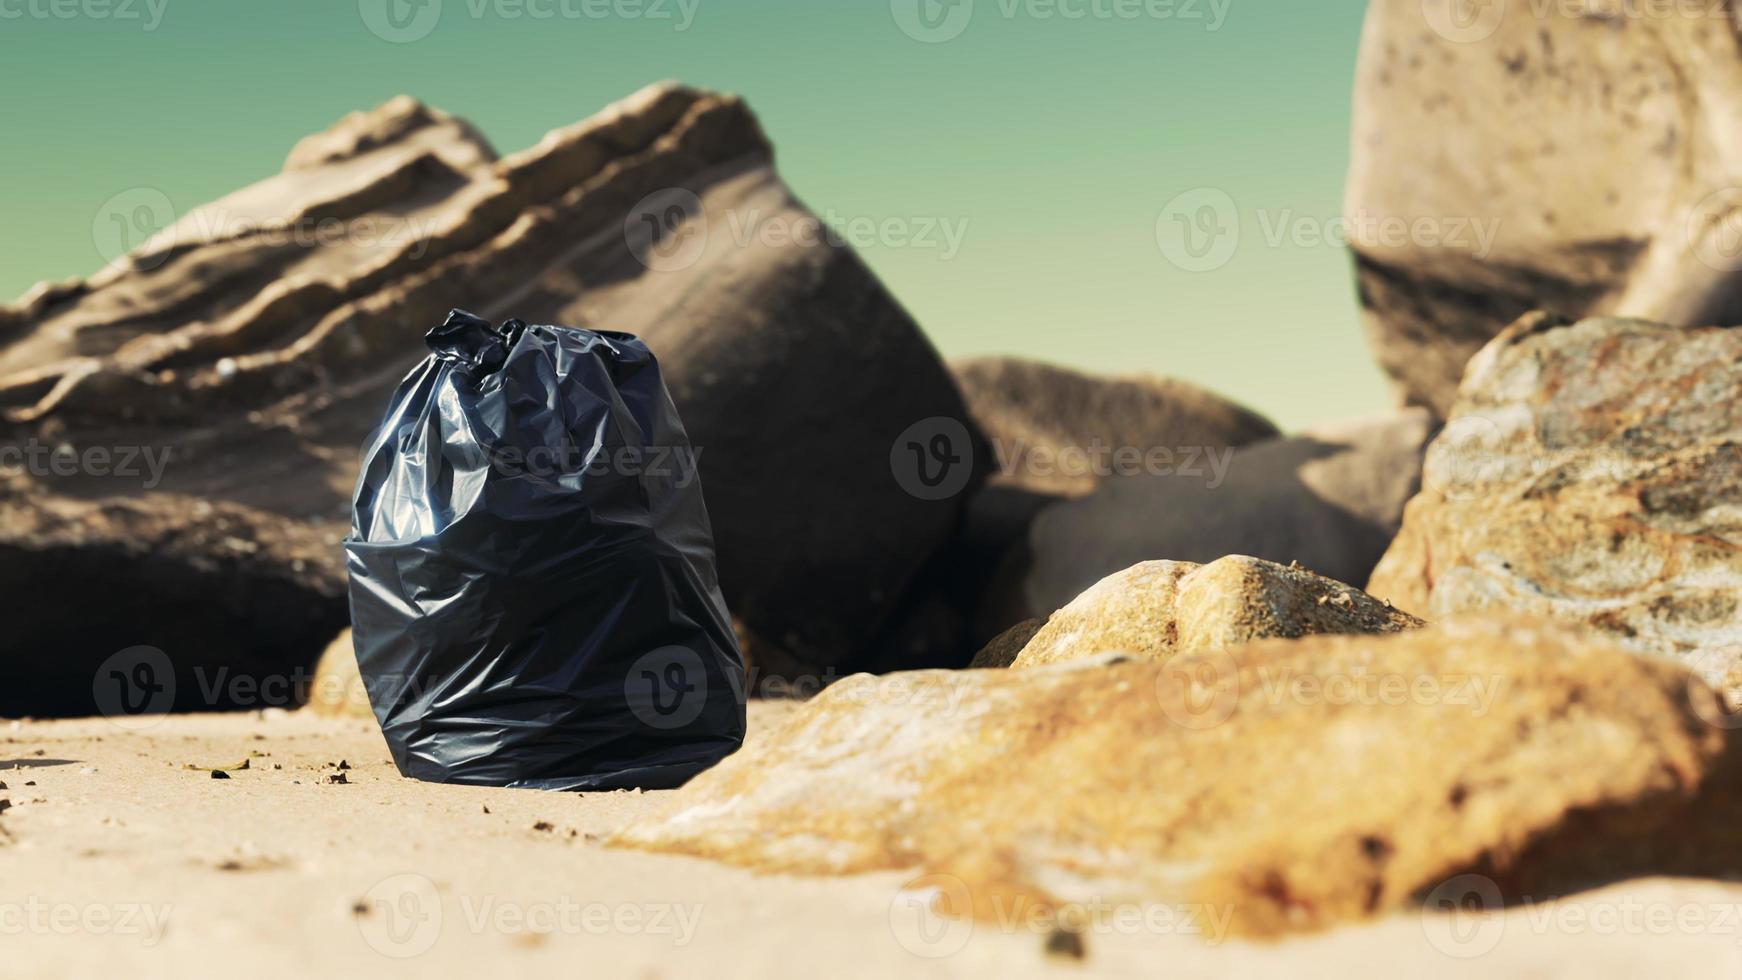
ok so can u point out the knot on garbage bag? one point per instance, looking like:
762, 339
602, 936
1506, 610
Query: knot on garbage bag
469, 339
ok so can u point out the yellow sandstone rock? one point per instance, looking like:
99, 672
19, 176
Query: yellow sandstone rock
1159, 609
1284, 785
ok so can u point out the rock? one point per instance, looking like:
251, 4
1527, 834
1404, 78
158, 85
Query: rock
1293, 784
1058, 431
1005, 647
1469, 200
1331, 499
256, 341
178, 596
337, 689
1161, 609
1589, 473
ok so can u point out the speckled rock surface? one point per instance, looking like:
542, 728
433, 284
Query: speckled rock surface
1161, 609
1291, 783
1471, 199
1591, 473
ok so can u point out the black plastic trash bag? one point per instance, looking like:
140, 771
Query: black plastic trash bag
532, 570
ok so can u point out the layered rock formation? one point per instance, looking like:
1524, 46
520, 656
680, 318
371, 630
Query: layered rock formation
1291, 783
255, 341
1591, 473
1471, 199
1331, 499
1162, 609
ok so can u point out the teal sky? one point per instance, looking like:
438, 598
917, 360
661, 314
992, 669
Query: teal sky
1053, 145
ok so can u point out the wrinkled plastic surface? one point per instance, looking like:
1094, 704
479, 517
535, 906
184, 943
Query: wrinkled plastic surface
532, 569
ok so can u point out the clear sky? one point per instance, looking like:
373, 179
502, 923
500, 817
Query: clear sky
1120, 185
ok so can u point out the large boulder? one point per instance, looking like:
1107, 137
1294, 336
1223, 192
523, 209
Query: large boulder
1470, 196
1330, 499
255, 341
1289, 784
1057, 431
163, 602
1590, 472
1159, 610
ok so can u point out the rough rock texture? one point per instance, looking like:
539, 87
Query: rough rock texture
1162, 609
1004, 648
1033, 412
1331, 499
1469, 197
1589, 472
1293, 783
257, 339
229, 591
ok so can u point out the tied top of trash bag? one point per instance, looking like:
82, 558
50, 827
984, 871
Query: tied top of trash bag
500, 415
469, 340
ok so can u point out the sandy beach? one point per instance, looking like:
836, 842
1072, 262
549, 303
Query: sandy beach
124, 854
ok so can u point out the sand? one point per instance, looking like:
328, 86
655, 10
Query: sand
117, 858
